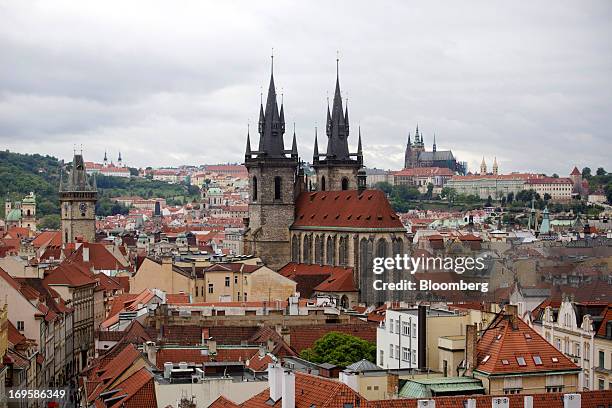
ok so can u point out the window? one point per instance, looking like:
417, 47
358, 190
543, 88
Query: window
235, 279
405, 354
227, 281
20, 325
277, 187
537, 360
521, 361
397, 326
486, 358
505, 362
323, 183
414, 330
390, 350
381, 355
254, 188
245, 296
345, 183
555, 359
391, 325
602, 358
602, 384
406, 329
397, 353
211, 288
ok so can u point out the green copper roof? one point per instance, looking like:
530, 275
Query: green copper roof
14, 215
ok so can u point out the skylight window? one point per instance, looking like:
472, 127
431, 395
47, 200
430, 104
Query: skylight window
528, 336
487, 357
537, 360
499, 336
555, 360
505, 362
521, 361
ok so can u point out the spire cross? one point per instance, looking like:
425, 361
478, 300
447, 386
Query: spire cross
272, 57
337, 63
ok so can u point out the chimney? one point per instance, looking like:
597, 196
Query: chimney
212, 346
471, 356
572, 401
288, 390
275, 381
205, 335
528, 401
85, 253
512, 313
392, 385
270, 345
350, 378
151, 351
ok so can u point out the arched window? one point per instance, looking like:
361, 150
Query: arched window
398, 246
254, 188
330, 251
318, 250
295, 249
277, 188
29, 213
343, 251
323, 183
306, 249
344, 183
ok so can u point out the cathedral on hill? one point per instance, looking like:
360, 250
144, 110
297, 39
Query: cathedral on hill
335, 223
417, 156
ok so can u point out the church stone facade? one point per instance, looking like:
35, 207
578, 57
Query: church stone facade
335, 221
78, 197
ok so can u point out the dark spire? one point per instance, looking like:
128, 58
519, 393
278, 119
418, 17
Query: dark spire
316, 147
247, 154
294, 151
119, 158
337, 125
359, 149
271, 123
434, 144
105, 158
416, 135
409, 144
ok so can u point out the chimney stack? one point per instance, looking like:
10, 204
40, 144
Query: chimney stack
288, 390
275, 381
471, 355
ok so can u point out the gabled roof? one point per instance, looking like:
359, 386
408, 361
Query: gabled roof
349, 209
138, 390
70, 274
223, 402
322, 278
106, 374
509, 345
607, 317
311, 391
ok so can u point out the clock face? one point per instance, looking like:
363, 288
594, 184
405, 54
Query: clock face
83, 207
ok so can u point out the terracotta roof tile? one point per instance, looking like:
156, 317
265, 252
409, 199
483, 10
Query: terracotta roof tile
346, 209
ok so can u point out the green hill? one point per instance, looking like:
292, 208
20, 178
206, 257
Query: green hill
22, 173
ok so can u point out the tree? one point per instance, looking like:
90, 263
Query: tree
586, 172
510, 197
384, 186
430, 188
448, 193
503, 201
489, 202
340, 349
405, 193
547, 197
51, 222
601, 171
555, 175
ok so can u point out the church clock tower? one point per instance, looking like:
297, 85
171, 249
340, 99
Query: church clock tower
78, 197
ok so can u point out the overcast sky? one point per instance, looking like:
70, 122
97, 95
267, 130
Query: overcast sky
169, 83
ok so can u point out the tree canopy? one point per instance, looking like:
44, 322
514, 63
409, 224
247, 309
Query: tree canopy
340, 349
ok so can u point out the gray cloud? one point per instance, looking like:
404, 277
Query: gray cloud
174, 84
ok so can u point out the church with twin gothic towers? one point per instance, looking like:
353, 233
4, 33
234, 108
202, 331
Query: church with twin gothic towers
335, 221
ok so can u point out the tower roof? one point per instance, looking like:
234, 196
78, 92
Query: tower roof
337, 125
271, 123
78, 180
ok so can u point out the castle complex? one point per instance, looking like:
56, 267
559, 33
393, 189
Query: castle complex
417, 156
335, 221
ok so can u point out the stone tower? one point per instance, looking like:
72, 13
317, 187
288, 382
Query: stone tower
275, 181
28, 212
336, 170
78, 197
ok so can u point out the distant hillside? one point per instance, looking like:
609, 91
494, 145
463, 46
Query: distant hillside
22, 173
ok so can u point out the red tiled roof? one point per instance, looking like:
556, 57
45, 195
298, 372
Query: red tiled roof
71, 274
106, 374
139, 391
575, 172
311, 391
550, 180
607, 317
223, 402
322, 278
177, 298
14, 337
47, 238
589, 399
196, 355
346, 209
425, 171
100, 258
505, 346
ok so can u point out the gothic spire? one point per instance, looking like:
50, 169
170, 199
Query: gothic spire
434, 143
247, 153
337, 125
316, 147
294, 151
271, 123
408, 144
